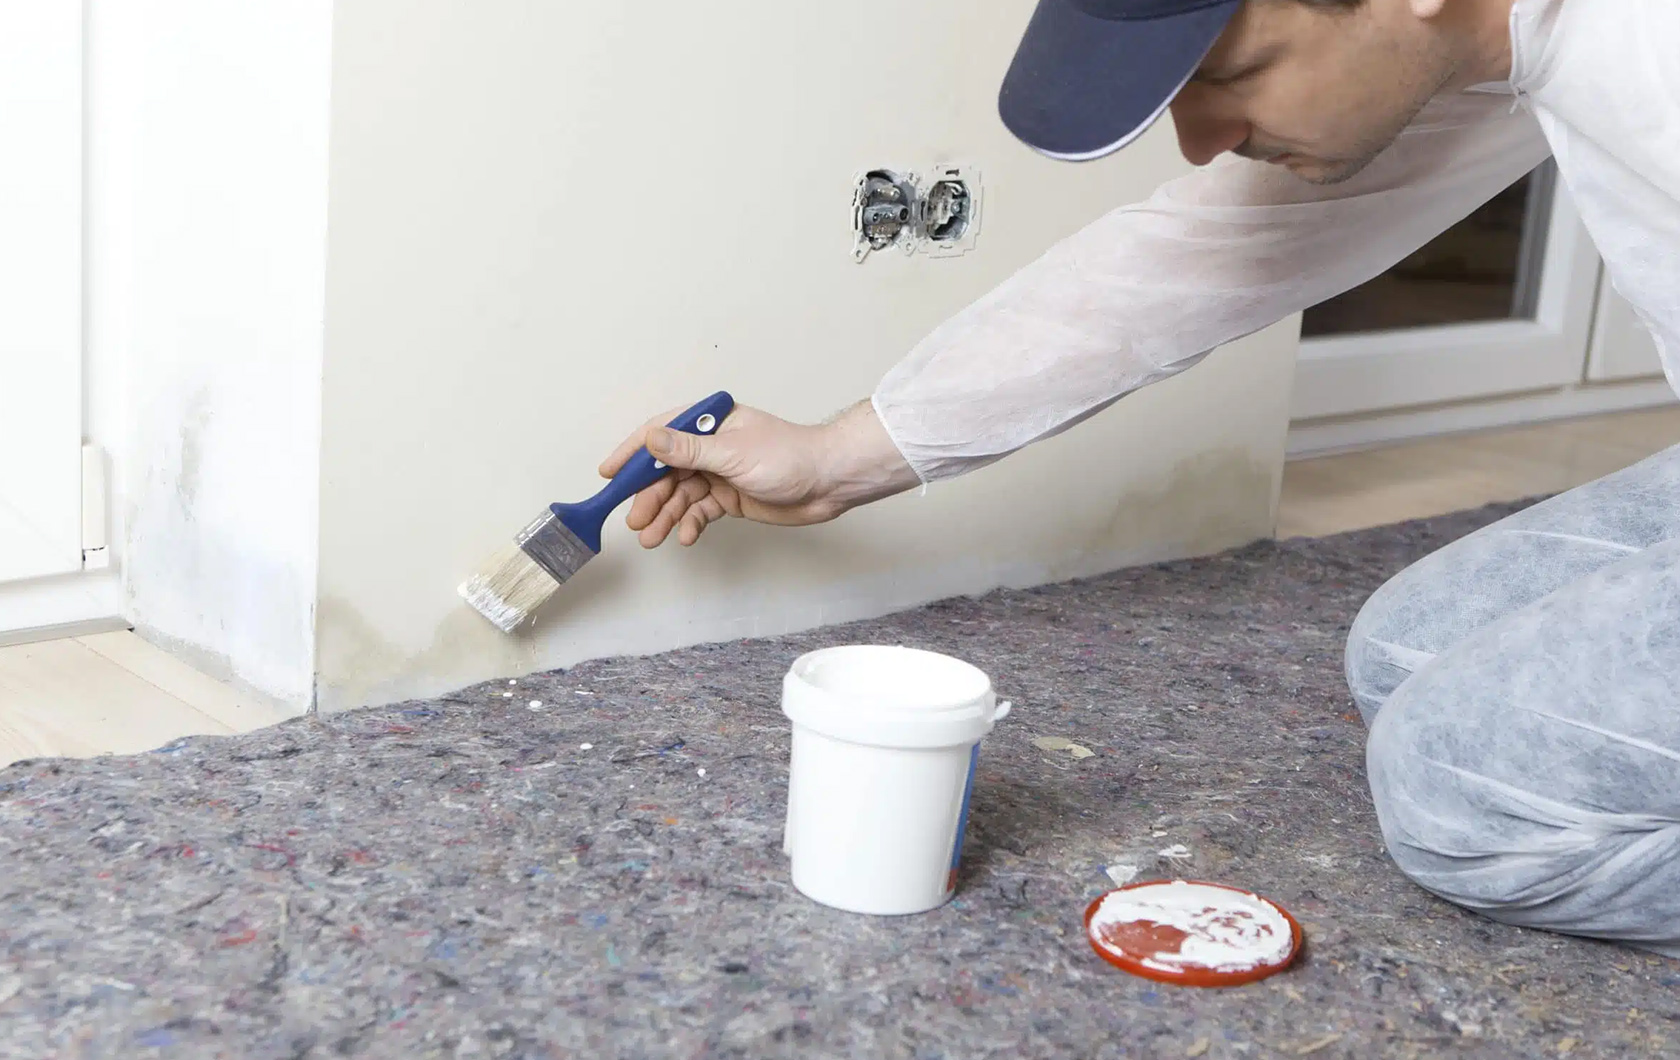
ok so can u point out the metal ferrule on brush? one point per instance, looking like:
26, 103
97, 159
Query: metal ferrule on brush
553, 547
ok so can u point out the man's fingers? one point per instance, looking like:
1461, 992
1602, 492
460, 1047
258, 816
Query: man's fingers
699, 452
648, 502
637, 439
686, 494
693, 525
621, 456
726, 495
706, 511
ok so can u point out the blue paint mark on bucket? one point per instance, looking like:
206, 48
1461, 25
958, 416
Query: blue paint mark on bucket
962, 820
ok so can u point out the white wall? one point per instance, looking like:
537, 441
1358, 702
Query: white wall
207, 142
549, 221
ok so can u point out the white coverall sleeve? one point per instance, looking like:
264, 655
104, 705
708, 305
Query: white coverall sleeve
1148, 290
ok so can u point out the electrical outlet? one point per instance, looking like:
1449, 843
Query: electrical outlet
938, 216
950, 211
883, 212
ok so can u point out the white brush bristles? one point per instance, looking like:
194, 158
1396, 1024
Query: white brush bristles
509, 588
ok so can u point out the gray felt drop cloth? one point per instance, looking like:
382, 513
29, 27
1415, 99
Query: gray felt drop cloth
457, 878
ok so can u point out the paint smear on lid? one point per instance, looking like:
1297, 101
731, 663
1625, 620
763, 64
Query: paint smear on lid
1183, 927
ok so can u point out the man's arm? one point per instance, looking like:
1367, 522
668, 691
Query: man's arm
1150, 289
1140, 295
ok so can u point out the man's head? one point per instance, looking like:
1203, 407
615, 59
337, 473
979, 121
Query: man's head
1319, 86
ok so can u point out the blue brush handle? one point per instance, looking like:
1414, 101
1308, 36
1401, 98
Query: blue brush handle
638, 473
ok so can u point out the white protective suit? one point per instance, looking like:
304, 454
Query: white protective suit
1522, 685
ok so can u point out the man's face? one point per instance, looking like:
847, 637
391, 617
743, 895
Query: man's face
1319, 90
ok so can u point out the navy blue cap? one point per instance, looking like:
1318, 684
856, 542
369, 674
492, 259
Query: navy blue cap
1091, 75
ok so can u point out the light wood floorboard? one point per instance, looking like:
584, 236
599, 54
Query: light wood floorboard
1352, 491
111, 693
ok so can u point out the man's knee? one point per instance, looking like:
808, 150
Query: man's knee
1378, 657
1528, 776
1391, 766
1520, 852
1437, 828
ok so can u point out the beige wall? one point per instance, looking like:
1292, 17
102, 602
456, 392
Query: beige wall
549, 221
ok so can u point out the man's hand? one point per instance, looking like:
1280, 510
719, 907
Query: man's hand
762, 468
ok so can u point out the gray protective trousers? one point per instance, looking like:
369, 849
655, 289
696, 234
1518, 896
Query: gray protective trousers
1522, 688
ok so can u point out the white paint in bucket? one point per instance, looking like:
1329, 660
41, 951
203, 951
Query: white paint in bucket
885, 742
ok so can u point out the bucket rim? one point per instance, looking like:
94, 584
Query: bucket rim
979, 693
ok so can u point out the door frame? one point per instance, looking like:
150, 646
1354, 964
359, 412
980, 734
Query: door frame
1622, 346
41, 210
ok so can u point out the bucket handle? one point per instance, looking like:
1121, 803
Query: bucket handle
1002, 712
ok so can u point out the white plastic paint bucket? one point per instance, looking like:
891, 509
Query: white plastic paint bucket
885, 742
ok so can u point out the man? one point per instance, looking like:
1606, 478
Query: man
1522, 686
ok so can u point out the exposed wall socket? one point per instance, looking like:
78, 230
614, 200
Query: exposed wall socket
938, 216
883, 211
950, 211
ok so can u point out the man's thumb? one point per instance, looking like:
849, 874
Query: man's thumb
692, 452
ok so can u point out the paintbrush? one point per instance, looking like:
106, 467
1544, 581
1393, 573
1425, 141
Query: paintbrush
510, 587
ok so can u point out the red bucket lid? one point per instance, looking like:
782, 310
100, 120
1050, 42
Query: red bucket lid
1192, 933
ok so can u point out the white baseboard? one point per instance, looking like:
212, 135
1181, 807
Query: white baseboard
65, 605
1325, 437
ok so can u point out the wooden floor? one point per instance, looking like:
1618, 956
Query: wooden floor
114, 693
111, 693
1332, 494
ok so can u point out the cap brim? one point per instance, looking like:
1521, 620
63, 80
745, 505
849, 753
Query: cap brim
1081, 86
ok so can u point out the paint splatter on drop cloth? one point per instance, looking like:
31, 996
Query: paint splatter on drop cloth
1188, 927
1062, 743
1122, 874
